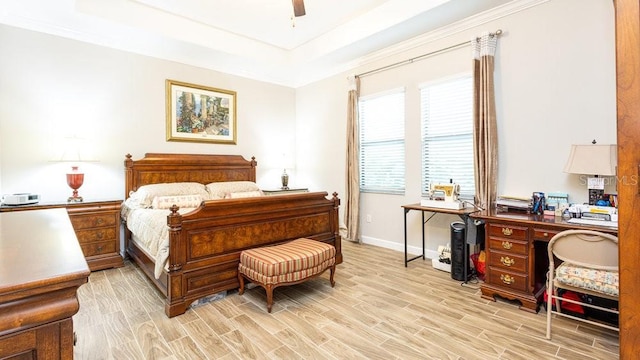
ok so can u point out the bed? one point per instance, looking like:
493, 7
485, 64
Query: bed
204, 242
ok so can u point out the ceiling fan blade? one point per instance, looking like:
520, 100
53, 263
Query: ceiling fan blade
298, 8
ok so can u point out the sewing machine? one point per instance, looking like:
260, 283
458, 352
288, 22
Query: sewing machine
446, 192
443, 196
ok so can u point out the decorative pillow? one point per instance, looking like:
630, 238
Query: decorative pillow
218, 190
143, 197
182, 201
243, 194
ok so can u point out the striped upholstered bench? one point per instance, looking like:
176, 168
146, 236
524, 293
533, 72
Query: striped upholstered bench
287, 264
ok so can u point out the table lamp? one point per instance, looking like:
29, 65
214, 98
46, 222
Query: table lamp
284, 178
596, 160
71, 152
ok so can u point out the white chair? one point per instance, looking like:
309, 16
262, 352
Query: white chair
589, 266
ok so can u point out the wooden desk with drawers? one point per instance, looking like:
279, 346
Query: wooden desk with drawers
516, 249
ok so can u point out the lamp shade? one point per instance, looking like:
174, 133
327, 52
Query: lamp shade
592, 160
73, 149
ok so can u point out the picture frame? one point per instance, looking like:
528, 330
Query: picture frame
197, 113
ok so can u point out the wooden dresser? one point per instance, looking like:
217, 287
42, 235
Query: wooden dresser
97, 227
516, 249
41, 268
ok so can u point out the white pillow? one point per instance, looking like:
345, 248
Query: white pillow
182, 201
243, 194
218, 190
143, 197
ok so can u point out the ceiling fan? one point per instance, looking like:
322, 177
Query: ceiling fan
298, 8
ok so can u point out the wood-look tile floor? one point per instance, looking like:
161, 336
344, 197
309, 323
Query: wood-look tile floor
378, 310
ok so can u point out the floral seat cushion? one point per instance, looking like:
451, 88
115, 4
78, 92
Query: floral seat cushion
602, 281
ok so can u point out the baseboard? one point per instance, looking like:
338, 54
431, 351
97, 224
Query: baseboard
411, 250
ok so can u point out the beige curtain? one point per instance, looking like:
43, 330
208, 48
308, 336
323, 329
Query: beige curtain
352, 206
485, 134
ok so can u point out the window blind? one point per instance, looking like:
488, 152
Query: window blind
382, 168
447, 134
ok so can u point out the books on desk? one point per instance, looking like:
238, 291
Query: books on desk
513, 203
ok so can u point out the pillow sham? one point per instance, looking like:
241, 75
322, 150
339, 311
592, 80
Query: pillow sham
182, 201
143, 197
243, 194
218, 190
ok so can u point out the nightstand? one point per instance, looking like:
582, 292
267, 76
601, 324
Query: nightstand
285, 191
97, 227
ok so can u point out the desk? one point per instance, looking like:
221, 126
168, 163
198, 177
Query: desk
462, 213
516, 254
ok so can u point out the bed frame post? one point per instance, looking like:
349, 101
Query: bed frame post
254, 163
128, 175
336, 227
175, 303
128, 180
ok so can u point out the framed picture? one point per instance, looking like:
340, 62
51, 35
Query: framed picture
200, 113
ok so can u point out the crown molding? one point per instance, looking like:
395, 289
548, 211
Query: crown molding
419, 41
285, 72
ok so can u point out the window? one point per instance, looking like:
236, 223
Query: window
447, 134
382, 143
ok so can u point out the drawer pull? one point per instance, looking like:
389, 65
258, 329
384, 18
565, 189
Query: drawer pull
99, 221
507, 245
100, 235
507, 261
507, 279
507, 231
99, 248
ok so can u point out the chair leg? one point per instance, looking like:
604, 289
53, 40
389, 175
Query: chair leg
549, 307
241, 280
333, 271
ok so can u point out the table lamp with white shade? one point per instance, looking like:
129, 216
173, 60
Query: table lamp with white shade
596, 160
284, 178
73, 151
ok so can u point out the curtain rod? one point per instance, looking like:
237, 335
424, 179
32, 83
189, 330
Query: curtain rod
420, 57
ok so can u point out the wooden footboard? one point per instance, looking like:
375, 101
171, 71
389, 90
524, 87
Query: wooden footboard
205, 244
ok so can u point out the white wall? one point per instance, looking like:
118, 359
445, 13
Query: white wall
53, 87
555, 86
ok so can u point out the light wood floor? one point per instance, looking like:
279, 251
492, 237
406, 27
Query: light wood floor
378, 310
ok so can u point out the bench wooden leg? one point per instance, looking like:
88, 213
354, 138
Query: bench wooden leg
333, 271
269, 289
241, 280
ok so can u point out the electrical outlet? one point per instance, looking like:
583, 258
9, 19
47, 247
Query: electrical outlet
368, 218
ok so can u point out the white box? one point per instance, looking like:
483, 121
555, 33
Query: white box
440, 265
453, 205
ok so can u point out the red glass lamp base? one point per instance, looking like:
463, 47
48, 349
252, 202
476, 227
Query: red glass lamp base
75, 179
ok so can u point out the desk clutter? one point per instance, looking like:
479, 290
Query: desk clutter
557, 204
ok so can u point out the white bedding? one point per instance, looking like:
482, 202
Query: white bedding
149, 224
152, 233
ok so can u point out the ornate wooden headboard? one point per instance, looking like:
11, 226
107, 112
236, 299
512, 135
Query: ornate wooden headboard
157, 168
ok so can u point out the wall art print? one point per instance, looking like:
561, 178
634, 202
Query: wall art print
200, 113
